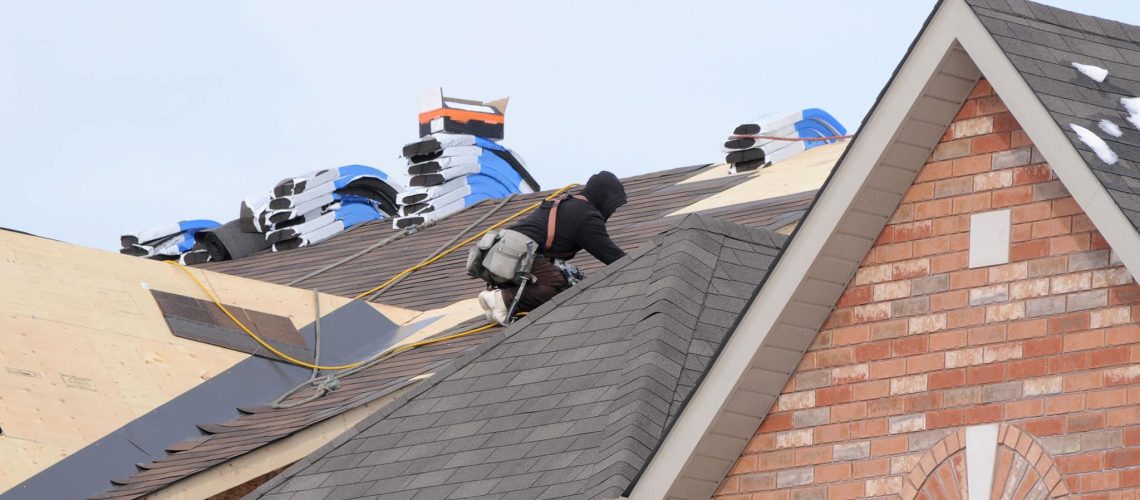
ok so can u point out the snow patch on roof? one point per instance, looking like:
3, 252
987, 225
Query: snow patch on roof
1095, 72
1132, 105
1105, 153
1110, 128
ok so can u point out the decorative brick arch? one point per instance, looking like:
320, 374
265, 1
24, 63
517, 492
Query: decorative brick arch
1021, 469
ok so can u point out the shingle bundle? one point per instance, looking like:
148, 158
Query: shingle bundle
746, 152
448, 172
304, 210
168, 241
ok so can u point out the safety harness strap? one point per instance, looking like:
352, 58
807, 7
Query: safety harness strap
553, 219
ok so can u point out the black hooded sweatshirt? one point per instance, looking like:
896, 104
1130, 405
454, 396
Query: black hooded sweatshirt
581, 225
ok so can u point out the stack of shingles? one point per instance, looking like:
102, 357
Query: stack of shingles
751, 145
174, 241
305, 210
448, 172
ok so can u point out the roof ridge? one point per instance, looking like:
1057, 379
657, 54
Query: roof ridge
654, 363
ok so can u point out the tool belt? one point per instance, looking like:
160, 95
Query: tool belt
506, 256
502, 257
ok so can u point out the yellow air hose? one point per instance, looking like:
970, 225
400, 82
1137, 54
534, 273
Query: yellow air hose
410, 270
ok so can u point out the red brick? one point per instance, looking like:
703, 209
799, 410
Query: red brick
989, 143
855, 296
1126, 457
1069, 362
1046, 426
832, 472
1069, 322
1032, 212
828, 396
949, 262
1024, 408
1028, 329
946, 379
1084, 422
907, 346
1005, 122
886, 407
868, 428
1032, 174
981, 89
970, 165
888, 446
1009, 197
845, 491
919, 192
990, 105
949, 300
1081, 341
972, 203
1109, 398
1123, 334
1127, 294
1041, 347
1109, 357
1072, 464
1067, 244
872, 351
871, 468
944, 418
934, 208
1028, 250
873, 389
969, 278
776, 422
855, 334
980, 414
985, 374
1026, 368
1064, 403
935, 170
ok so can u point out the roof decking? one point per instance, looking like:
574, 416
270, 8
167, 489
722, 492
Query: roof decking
572, 400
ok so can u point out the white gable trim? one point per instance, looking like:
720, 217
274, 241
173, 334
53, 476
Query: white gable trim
783, 319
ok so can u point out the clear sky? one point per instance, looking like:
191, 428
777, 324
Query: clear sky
119, 115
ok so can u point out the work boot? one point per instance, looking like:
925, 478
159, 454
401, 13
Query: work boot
494, 306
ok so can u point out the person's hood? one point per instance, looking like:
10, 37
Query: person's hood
605, 192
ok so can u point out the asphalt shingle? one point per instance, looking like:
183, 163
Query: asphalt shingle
573, 402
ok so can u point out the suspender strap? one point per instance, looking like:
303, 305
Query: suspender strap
552, 220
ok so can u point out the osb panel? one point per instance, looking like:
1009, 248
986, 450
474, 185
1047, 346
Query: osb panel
86, 348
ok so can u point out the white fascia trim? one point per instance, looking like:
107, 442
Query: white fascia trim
663, 472
1050, 139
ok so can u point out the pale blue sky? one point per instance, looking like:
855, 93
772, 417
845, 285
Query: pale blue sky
115, 115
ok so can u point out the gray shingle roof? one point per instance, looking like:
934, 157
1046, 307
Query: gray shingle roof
1042, 42
571, 401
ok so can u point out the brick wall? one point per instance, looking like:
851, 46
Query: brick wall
920, 345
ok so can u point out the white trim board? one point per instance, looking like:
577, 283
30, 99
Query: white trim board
906, 123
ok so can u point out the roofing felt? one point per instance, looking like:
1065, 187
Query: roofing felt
570, 401
651, 197
1043, 42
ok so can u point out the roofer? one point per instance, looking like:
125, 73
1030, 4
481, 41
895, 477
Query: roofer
577, 222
